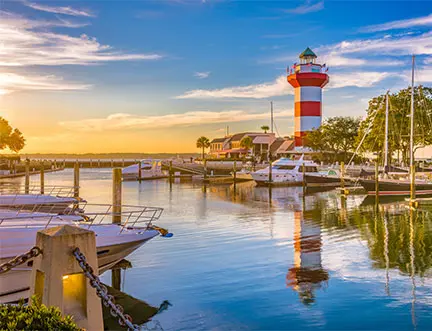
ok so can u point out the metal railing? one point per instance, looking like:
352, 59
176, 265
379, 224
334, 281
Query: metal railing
84, 214
53, 190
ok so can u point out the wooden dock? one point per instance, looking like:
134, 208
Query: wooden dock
22, 174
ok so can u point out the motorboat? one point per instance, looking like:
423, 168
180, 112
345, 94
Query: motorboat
113, 241
285, 171
150, 169
325, 178
37, 202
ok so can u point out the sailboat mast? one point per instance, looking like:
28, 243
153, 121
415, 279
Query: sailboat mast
271, 114
412, 166
386, 151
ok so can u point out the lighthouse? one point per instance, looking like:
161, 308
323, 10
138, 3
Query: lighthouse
308, 78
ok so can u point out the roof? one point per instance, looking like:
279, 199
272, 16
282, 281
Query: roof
261, 140
281, 145
218, 140
307, 53
240, 136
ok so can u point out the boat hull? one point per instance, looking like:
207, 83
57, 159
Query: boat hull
324, 180
15, 284
401, 188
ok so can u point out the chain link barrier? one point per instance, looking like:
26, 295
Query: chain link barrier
20, 259
116, 310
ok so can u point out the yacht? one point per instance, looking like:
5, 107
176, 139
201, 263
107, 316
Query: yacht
150, 169
113, 241
37, 202
285, 171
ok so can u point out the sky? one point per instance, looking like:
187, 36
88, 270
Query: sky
153, 76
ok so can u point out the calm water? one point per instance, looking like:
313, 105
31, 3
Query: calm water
248, 259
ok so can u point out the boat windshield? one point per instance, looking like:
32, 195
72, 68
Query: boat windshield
284, 167
308, 169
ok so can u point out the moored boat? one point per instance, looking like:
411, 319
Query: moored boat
396, 187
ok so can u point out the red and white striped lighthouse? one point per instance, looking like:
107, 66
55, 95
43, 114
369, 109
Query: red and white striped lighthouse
308, 78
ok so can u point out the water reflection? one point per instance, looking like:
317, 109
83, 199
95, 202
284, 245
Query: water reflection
307, 274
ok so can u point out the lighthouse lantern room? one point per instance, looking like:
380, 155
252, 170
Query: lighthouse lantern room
308, 78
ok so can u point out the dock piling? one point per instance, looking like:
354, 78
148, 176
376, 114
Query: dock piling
76, 179
205, 169
117, 195
342, 175
42, 178
27, 176
235, 171
270, 171
376, 181
170, 170
304, 178
139, 172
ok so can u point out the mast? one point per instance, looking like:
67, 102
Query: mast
271, 114
386, 151
412, 163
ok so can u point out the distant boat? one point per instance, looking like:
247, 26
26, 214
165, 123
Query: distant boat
285, 171
150, 169
329, 178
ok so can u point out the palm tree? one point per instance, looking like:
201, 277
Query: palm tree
203, 142
246, 142
265, 128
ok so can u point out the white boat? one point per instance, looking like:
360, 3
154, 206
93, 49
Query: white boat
114, 241
285, 171
150, 169
37, 202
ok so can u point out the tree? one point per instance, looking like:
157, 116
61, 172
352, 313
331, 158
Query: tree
399, 122
203, 142
265, 128
336, 135
9, 137
246, 142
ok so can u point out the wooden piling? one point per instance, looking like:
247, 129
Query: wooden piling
304, 178
27, 176
376, 181
205, 169
99, 163
170, 170
112, 163
342, 175
42, 178
235, 171
139, 172
270, 171
76, 179
123, 163
412, 180
117, 195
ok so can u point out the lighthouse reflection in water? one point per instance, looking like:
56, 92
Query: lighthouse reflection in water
307, 275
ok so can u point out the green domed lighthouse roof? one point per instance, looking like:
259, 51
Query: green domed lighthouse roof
307, 53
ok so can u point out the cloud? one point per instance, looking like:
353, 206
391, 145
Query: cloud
336, 60
401, 24
23, 44
307, 8
281, 87
121, 121
257, 91
387, 45
357, 79
59, 10
202, 75
11, 82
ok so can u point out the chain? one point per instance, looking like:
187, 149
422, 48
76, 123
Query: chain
20, 259
108, 300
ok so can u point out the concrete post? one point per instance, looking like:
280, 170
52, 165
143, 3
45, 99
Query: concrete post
58, 280
117, 195
27, 176
76, 179
42, 178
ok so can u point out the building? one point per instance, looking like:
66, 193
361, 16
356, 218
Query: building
308, 78
263, 143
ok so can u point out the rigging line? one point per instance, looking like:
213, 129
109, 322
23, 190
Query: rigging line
276, 128
367, 131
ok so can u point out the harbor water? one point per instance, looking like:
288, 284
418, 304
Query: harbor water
247, 258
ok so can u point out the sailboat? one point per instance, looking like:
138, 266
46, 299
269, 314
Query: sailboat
400, 187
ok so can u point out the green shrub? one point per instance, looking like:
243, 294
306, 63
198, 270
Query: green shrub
34, 317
